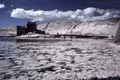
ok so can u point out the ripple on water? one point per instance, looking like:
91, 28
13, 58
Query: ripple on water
58, 60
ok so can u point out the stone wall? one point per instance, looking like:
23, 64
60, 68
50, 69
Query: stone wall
21, 30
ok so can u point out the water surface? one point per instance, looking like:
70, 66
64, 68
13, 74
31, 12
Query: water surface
52, 60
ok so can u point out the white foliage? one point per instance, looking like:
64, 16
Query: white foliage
97, 28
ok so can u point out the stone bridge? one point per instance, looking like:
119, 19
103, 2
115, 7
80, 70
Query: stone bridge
71, 36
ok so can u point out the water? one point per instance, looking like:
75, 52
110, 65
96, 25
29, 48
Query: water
76, 59
7, 39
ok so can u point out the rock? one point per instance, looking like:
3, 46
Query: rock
49, 68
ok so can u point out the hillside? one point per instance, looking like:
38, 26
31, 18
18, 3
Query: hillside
97, 28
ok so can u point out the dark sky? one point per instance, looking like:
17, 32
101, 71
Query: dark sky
64, 5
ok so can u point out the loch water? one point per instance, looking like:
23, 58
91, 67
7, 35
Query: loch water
58, 60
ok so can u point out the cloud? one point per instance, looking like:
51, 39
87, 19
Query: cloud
87, 14
2, 5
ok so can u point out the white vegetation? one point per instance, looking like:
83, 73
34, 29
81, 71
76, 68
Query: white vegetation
11, 33
97, 28
33, 35
30, 35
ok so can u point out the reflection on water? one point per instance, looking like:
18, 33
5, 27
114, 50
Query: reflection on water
58, 60
4, 39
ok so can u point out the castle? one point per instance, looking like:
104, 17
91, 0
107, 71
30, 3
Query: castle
31, 27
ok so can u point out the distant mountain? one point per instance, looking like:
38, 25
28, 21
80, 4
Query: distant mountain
8, 31
98, 28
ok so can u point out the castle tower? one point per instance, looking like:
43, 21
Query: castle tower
31, 26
